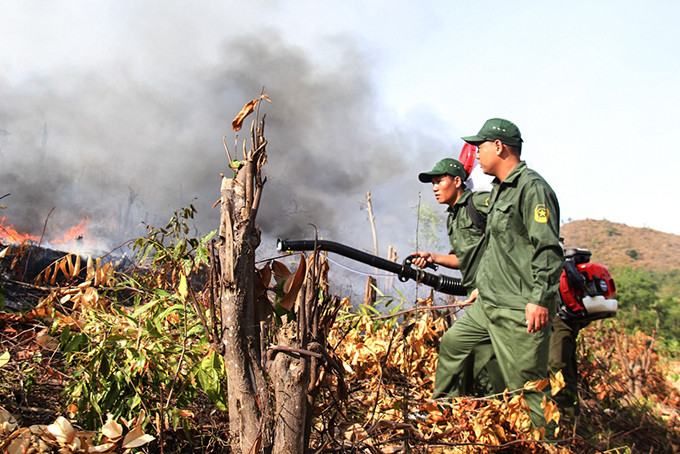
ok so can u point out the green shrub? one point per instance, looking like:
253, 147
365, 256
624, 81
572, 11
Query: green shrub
153, 355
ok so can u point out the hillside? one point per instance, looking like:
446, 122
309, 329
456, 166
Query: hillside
616, 245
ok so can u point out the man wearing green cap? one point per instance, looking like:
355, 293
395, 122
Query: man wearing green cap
466, 224
518, 275
448, 185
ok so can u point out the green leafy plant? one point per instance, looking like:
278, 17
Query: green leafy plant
384, 311
152, 355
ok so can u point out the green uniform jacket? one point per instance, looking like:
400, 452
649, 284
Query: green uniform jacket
467, 241
523, 259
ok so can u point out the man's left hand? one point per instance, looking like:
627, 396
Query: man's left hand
473, 296
537, 317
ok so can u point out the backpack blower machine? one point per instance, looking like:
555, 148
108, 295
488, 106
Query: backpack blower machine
587, 290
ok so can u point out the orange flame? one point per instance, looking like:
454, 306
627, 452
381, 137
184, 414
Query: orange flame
74, 233
10, 234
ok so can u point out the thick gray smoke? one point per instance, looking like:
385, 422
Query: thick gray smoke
120, 148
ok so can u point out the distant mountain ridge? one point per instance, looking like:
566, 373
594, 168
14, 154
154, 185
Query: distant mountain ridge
615, 245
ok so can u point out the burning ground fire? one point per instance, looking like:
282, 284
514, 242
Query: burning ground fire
9, 234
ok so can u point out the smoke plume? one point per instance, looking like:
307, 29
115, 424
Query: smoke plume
120, 148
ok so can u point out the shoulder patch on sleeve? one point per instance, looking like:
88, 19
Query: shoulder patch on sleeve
541, 213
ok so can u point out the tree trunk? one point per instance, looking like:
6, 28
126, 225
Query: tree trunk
239, 237
290, 377
290, 365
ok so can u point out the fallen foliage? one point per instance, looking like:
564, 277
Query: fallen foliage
64, 438
390, 369
628, 403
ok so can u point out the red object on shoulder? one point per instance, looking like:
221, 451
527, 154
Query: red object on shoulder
468, 156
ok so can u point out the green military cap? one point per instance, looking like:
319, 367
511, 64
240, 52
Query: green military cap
447, 166
497, 129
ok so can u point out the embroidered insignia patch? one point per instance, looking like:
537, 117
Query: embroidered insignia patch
541, 213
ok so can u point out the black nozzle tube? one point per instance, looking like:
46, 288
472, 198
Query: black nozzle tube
338, 248
444, 284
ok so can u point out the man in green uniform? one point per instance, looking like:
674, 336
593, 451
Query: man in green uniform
518, 275
447, 178
466, 225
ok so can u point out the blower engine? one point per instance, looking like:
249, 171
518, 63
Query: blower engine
587, 290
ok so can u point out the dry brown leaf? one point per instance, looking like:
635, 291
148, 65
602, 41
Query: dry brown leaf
53, 279
62, 430
62, 263
21, 441
136, 421
550, 410
7, 422
72, 410
89, 297
45, 340
69, 265
355, 433
556, 382
136, 438
280, 271
537, 385
104, 447
290, 297
187, 414
104, 273
74, 265
90, 268
237, 123
263, 277
112, 430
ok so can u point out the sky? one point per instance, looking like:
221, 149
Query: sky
115, 111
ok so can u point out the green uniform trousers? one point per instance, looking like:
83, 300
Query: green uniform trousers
522, 356
482, 376
563, 354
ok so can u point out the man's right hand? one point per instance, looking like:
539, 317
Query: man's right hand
422, 258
